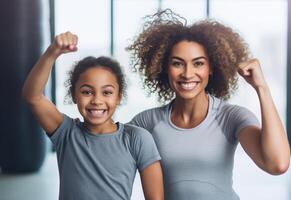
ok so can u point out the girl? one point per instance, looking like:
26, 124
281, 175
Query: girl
194, 67
98, 158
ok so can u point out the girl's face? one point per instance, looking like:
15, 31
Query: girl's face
97, 95
188, 69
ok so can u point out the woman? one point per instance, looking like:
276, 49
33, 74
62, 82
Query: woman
195, 68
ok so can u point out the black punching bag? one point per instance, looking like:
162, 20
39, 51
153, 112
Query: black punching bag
22, 141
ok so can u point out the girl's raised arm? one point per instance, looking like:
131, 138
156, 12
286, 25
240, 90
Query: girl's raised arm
44, 110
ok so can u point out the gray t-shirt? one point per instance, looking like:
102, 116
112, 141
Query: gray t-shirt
100, 167
197, 163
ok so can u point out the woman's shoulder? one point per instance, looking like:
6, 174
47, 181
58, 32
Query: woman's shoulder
136, 135
148, 119
134, 130
160, 110
232, 111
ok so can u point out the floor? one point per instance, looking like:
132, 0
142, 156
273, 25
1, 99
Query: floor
250, 183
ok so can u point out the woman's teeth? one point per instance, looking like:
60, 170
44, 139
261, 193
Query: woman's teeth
188, 86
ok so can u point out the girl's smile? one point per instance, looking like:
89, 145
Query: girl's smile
97, 95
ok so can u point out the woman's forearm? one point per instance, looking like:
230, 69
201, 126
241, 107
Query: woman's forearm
274, 142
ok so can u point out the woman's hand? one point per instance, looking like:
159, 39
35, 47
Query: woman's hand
251, 71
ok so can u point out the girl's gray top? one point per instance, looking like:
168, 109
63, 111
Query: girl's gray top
100, 166
198, 162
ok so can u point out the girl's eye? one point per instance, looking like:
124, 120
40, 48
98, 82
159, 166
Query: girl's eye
87, 92
198, 63
107, 92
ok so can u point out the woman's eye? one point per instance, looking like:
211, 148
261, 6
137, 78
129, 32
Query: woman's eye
177, 64
198, 63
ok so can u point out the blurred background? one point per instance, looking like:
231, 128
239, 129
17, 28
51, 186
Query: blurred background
105, 27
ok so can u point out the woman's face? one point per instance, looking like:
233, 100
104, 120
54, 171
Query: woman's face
188, 69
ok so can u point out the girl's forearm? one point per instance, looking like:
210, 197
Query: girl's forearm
35, 83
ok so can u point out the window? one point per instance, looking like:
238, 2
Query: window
90, 20
263, 24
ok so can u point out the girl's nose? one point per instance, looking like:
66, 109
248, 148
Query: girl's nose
96, 100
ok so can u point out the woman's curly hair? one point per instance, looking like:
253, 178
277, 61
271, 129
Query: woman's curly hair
152, 48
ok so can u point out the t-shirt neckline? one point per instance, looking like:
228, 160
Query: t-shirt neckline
105, 135
201, 124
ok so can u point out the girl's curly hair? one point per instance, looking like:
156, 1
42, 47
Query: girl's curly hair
152, 47
92, 62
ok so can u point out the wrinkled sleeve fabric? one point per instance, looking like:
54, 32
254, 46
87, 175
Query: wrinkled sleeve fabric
61, 135
237, 118
144, 119
144, 149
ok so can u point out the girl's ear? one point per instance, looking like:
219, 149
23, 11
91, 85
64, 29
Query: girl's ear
119, 100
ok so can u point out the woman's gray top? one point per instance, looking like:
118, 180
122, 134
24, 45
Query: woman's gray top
198, 162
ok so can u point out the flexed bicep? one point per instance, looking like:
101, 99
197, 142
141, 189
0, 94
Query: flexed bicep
44, 110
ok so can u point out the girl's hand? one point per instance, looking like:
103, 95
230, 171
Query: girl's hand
251, 71
64, 43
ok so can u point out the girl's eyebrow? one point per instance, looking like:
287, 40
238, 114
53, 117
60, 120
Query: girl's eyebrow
86, 85
194, 59
104, 86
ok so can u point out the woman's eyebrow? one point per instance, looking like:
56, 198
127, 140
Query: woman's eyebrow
194, 59
200, 57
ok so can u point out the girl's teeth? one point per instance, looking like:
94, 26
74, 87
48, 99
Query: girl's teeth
97, 113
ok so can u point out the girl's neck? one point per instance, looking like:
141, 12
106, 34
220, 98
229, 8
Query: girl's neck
188, 113
105, 128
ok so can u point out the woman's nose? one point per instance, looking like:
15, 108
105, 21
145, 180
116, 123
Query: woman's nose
188, 72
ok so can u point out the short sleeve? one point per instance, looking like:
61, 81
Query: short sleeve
142, 120
61, 134
233, 119
242, 118
144, 148
149, 118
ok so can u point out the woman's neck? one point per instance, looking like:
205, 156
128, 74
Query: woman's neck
188, 113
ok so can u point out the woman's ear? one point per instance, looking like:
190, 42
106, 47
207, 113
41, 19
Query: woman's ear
210, 70
74, 100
